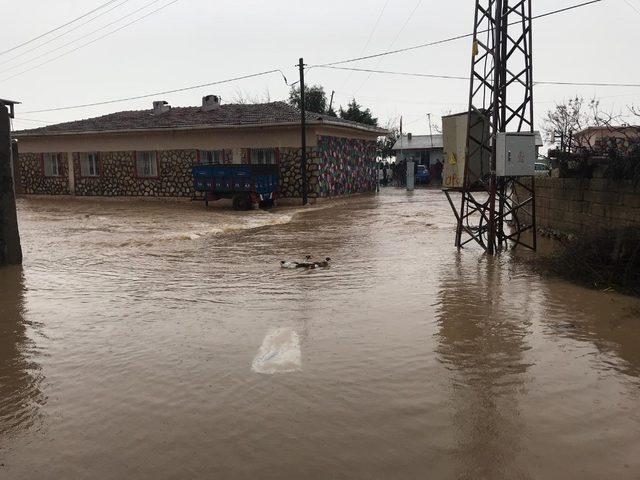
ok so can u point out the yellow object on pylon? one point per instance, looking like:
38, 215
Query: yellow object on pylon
475, 48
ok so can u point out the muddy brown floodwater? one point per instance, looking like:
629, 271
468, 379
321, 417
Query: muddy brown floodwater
162, 340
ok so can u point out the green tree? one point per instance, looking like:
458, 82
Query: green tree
315, 99
355, 113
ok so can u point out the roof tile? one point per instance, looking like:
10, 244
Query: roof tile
184, 117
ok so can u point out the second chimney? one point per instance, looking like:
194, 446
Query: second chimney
160, 106
210, 102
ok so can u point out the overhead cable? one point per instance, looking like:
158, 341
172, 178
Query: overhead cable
90, 42
404, 25
166, 92
57, 28
60, 47
66, 32
460, 77
447, 40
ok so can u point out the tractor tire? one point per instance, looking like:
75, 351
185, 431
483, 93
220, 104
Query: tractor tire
241, 201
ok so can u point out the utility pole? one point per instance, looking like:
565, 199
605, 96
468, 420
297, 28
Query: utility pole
10, 250
331, 101
303, 126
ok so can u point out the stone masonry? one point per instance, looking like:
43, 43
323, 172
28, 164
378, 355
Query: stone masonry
32, 179
291, 176
337, 166
118, 175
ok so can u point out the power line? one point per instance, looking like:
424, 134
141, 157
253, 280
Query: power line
63, 33
146, 5
447, 40
460, 77
375, 27
410, 74
89, 43
396, 100
406, 22
590, 84
33, 120
330, 65
183, 89
632, 6
57, 28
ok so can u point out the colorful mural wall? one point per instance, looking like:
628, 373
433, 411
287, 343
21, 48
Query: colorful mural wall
337, 166
346, 165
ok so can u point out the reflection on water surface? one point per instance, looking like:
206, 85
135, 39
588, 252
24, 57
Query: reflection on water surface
163, 340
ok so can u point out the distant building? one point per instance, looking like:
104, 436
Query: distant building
429, 149
604, 138
423, 149
150, 152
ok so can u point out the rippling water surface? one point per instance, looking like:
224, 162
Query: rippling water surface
163, 340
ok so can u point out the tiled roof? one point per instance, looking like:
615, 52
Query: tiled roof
227, 115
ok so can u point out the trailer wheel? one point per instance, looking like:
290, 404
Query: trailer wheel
241, 201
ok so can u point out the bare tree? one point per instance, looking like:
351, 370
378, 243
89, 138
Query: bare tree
568, 118
578, 125
385, 144
244, 98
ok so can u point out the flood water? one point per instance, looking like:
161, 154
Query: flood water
163, 340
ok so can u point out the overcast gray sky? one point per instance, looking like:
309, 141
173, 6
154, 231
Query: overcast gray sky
197, 41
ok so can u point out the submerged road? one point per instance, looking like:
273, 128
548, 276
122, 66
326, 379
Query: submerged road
163, 340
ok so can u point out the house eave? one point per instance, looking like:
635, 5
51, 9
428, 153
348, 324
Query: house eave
376, 130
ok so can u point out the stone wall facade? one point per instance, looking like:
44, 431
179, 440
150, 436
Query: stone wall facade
291, 175
337, 166
30, 172
578, 206
118, 176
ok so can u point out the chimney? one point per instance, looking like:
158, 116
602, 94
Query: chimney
409, 136
160, 106
210, 102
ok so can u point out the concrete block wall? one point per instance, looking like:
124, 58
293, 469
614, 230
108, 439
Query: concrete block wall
574, 205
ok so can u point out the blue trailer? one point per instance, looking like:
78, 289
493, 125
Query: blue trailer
247, 185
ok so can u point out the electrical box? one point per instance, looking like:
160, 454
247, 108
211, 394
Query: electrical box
455, 129
515, 154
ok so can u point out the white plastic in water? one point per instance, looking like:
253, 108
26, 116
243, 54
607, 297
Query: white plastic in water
279, 352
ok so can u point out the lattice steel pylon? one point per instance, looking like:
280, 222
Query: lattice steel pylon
500, 100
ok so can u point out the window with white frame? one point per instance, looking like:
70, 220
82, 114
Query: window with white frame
51, 164
263, 156
146, 164
211, 157
89, 164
